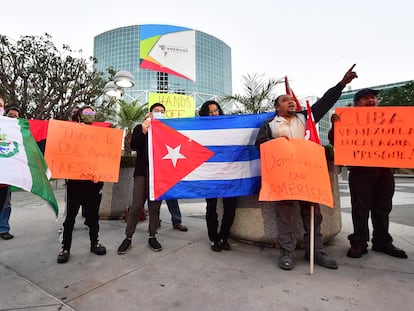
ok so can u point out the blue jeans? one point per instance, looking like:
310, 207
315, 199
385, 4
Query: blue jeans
174, 209
5, 215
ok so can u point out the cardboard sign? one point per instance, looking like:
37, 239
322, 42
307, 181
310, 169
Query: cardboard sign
176, 105
375, 136
294, 169
85, 152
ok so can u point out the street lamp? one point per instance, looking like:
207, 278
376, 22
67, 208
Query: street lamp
122, 79
111, 90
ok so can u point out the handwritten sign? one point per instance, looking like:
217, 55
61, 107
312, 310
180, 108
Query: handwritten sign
176, 105
294, 169
375, 136
85, 152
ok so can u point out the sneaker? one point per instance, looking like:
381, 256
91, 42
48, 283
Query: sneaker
215, 246
154, 245
63, 256
356, 251
323, 260
180, 227
285, 260
124, 247
390, 250
98, 249
225, 245
6, 236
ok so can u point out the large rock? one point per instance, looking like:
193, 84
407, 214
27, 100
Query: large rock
117, 196
255, 222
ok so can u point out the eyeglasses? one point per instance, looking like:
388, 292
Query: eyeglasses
85, 112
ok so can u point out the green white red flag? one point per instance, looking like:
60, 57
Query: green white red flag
21, 162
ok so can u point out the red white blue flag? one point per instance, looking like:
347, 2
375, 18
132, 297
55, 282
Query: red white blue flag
204, 157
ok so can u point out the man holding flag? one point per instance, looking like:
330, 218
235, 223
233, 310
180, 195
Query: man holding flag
291, 123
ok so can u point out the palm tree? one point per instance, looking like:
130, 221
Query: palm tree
258, 94
129, 114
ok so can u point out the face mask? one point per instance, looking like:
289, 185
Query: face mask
158, 115
1, 111
87, 118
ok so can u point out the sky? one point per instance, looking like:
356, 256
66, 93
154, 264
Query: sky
312, 42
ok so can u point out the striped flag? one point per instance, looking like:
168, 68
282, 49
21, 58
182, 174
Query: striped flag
21, 162
205, 157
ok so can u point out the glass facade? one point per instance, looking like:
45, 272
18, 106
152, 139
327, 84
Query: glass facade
120, 49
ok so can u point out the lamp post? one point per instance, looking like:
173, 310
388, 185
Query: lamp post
122, 79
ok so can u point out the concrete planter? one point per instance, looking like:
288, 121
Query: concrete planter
255, 222
117, 196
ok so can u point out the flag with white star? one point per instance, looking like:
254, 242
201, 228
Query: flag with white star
204, 157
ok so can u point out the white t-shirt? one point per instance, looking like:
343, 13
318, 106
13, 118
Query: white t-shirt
294, 129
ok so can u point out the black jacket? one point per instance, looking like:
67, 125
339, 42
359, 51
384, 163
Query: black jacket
139, 143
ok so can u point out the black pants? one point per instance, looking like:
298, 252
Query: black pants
229, 210
371, 190
87, 194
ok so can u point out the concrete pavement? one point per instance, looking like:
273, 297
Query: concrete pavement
187, 275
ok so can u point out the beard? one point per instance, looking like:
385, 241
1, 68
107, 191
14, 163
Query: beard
291, 113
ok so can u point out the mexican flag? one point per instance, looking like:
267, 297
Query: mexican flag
21, 162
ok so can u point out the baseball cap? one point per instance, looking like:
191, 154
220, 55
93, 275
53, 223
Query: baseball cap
364, 92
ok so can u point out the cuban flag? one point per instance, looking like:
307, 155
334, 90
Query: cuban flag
204, 157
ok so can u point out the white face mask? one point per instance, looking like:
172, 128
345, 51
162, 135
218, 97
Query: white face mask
158, 115
1, 111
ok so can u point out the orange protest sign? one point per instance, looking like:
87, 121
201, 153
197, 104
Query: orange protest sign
85, 152
294, 169
375, 136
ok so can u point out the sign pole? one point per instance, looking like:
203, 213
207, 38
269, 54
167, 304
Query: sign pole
312, 239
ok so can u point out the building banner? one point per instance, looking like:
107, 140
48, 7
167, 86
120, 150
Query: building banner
168, 49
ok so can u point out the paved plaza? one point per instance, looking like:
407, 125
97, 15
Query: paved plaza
187, 275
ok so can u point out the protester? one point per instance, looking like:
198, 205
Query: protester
4, 189
83, 193
5, 195
219, 240
11, 112
372, 189
139, 143
291, 124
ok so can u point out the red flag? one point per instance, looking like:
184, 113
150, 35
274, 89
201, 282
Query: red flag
310, 132
289, 91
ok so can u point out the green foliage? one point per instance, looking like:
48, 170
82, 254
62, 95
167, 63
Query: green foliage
127, 117
258, 94
46, 82
398, 96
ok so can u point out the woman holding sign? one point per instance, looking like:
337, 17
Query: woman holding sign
86, 193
